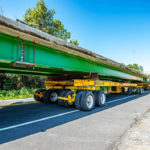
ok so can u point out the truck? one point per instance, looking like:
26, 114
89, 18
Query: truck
76, 76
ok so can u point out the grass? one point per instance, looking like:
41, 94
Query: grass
16, 94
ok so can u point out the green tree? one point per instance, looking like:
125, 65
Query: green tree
75, 42
58, 30
123, 64
136, 67
43, 18
14, 81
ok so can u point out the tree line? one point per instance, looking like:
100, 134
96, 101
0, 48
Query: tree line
16, 82
135, 67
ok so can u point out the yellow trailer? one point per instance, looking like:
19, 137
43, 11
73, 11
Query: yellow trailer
85, 93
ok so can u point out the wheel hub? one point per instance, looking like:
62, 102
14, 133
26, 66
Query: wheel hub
103, 99
54, 96
90, 101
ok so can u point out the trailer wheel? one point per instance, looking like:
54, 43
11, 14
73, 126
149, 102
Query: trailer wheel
122, 90
130, 90
87, 101
141, 91
64, 102
78, 99
137, 90
146, 88
50, 96
61, 94
100, 98
36, 97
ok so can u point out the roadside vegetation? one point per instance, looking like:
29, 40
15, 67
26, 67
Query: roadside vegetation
19, 86
24, 92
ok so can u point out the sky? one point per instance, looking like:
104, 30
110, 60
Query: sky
117, 29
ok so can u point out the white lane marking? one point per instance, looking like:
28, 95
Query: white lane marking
38, 120
120, 99
123, 98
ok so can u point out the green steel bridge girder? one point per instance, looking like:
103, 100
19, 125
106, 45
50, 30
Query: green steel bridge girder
51, 61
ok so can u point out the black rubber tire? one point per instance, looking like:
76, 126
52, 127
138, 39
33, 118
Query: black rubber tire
84, 101
122, 90
47, 96
98, 98
61, 94
78, 99
146, 88
65, 94
141, 91
130, 90
137, 90
36, 97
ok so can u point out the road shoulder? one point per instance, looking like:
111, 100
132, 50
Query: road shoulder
137, 137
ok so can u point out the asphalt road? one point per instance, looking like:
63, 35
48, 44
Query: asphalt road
38, 126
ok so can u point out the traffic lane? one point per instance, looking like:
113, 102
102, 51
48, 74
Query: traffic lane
24, 113
18, 115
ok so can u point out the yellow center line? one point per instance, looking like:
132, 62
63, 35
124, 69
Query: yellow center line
18, 104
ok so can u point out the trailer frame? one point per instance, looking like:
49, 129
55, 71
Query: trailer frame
87, 84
